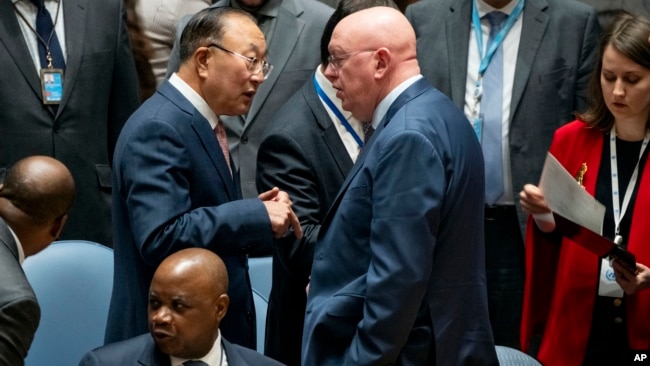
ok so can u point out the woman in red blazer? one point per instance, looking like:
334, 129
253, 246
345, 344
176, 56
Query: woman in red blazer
569, 313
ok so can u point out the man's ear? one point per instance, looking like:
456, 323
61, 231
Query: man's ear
201, 57
382, 62
57, 226
222, 306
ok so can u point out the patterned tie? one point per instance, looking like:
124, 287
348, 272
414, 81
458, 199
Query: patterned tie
220, 132
194, 363
45, 30
368, 130
491, 107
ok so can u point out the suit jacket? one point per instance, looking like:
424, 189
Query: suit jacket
302, 153
173, 190
142, 351
399, 269
19, 310
605, 7
561, 275
100, 92
294, 52
556, 56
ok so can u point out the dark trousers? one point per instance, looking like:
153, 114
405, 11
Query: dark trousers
504, 263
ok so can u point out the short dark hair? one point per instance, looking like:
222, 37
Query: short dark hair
628, 34
43, 195
345, 8
205, 27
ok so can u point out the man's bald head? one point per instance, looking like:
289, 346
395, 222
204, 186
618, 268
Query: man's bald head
39, 186
199, 263
187, 300
378, 27
372, 52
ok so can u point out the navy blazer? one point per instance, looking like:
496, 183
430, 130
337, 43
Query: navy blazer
142, 351
399, 270
302, 153
19, 310
173, 190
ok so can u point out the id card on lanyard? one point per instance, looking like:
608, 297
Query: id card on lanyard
607, 285
477, 118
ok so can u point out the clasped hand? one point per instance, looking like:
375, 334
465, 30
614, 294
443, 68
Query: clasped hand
278, 205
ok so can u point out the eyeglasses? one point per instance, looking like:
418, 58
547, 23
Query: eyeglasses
255, 65
337, 61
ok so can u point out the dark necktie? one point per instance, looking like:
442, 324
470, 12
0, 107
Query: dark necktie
492, 106
194, 363
45, 30
368, 130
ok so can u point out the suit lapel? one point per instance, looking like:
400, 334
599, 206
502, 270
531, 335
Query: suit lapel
8, 239
411, 92
14, 42
458, 26
330, 135
534, 24
74, 12
287, 31
205, 134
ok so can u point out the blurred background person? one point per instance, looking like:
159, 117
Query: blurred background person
609, 9
34, 203
79, 125
567, 306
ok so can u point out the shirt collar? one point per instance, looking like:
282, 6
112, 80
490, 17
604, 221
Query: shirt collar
19, 245
384, 105
270, 9
484, 8
212, 358
195, 99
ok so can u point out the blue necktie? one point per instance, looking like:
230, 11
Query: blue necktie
491, 108
45, 30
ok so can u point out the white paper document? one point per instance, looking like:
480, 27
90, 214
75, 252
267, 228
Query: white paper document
567, 198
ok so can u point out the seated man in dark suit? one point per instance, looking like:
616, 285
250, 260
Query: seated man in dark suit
187, 300
34, 201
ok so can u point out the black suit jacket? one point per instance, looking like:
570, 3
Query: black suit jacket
100, 92
19, 311
142, 350
302, 154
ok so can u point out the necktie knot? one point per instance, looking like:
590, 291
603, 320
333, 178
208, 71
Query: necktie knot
40, 4
496, 19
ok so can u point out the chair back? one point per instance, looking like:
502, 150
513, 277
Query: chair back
73, 281
260, 270
261, 305
513, 357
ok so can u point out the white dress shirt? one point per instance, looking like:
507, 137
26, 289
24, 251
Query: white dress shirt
215, 357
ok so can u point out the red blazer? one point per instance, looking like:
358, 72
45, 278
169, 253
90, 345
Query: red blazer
562, 277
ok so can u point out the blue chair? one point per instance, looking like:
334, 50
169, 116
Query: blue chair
260, 270
513, 357
261, 305
73, 281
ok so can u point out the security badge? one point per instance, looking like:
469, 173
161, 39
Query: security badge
607, 285
52, 85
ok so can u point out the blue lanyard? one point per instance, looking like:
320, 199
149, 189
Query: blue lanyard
337, 112
498, 39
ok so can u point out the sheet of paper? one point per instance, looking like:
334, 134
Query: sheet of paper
566, 197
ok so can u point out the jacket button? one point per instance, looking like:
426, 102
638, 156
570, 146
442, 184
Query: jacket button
617, 302
618, 320
244, 139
